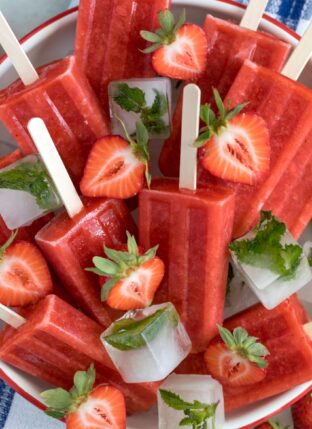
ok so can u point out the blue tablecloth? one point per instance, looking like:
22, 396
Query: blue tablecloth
15, 412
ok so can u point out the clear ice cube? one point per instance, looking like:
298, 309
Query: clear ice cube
269, 286
161, 349
18, 207
149, 87
202, 388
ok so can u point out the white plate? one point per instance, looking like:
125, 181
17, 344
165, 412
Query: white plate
54, 40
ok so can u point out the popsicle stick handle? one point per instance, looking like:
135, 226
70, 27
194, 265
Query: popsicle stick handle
15, 52
308, 329
190, 130
55, 166
10, 317
300, 56
253, 14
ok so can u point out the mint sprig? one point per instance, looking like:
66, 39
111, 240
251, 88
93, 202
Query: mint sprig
131, 334
196, 413
310, 257
120, 264
166, 33
277, 425
61, 402
215, 124
31, 178
133, 100
245, 345
265, 249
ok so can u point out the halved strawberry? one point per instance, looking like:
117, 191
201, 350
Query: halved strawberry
116, 167
85, 407
180, 49
235, 148
24, 274
132, 278
236, 359
271, 425
302, 412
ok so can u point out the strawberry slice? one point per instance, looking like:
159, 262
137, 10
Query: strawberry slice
235, 148
115, 167
302, 412
131, 277
24, 274
236, 359
86, 407
180, 50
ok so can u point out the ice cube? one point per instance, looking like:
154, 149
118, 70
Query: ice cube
269, 286
190, 388
161, 129
20, 207
154, 350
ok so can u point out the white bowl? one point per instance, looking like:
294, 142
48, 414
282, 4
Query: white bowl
54, 40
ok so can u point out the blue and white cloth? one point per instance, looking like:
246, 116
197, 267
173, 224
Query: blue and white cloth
16, 412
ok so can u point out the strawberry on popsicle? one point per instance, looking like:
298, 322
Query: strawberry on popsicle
302, 412
228, 46
193, 227
108, 43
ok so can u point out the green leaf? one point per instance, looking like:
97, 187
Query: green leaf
240, 335
277, 425
8, 243
150, 254
151, 48
202, 139
219, 103
310, 257
54, 413
84, 381
132, 244
150, 37
130, 99
57, 399
160, 104
108, 268
31, 177
266, 250
227, 337
166, 20
173, 400
237, 109
142, 136
140, 332
95, 271
204, 113
107, 287
181, 21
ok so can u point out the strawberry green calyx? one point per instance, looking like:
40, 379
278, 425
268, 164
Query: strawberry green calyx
215, 124
246, 346
196, 414
120, 264
61, 402
140, 146
166, 33
277, 425
7, 244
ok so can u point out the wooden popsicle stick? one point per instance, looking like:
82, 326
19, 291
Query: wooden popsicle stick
308, 329
15, 52
300, 56
190, 131
55, 166
253, 15
10, 317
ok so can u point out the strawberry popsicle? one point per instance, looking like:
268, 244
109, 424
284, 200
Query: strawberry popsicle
62, 97
229, 46
193, 229
57, 340
108, 42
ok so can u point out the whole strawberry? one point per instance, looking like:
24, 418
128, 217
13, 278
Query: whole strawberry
236, 359
180, 49
131, 276
270, 424
85, 407
302, 412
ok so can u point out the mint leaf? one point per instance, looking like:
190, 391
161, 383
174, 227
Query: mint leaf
173, 400
138, 333
277, 425
31, 178
130, 99
310, 257
84, 381
265, 249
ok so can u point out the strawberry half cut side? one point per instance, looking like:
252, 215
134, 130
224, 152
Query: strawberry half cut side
86, 407
24, 274
236, 359
180, 49
132, 277
116, 167
234, 146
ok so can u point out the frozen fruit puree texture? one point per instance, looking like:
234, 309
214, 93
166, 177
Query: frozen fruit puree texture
56, 341
290, 360
63, 98
193, 230
70, 244
229, 46
286, 189
108, 40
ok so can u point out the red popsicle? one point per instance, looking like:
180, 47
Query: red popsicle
229, 46
193, 229
57, 340
108, 42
